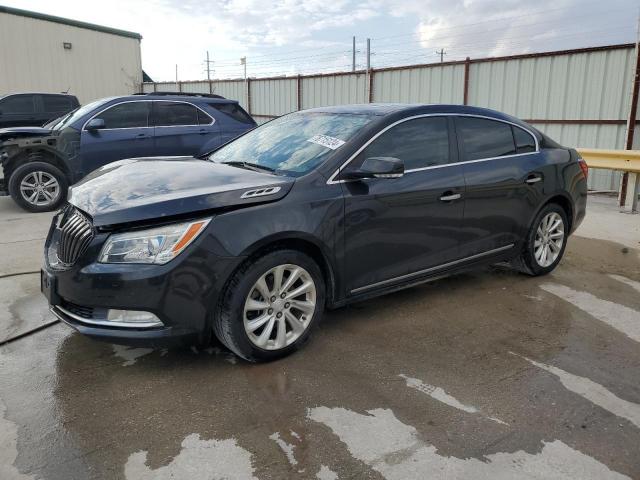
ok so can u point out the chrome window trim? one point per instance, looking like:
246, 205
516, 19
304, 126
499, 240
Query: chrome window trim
333, 181
213, 120
432, 269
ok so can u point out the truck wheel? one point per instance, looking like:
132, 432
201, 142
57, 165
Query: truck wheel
38, 186
271, 305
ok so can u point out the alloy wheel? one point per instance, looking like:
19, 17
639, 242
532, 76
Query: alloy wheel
549, 239
279, 307
40, 189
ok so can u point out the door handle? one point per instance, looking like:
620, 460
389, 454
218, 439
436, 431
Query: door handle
202, 131
450, 196
531, 179
142, 136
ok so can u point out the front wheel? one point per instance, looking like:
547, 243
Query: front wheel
545, 242
38, 186
271, 306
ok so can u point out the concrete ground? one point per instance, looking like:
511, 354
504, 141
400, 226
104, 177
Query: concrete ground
483, 375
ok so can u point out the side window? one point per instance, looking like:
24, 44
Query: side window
234, 111
525, 143
419, 143
54, 103
126, 115
485, 138
172, 114
18, 104
204, 118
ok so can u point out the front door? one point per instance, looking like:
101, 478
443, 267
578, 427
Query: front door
396, 229
126, 134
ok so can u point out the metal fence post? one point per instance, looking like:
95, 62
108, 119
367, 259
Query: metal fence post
467, 66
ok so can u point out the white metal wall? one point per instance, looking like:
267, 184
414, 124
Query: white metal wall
32, 58
592, 86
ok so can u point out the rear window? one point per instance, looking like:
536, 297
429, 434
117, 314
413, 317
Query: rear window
234, 111
18, 104
53, 103
485, 138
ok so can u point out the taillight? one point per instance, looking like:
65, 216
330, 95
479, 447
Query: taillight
584, 167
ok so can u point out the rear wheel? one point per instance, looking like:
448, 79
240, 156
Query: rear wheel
271, 306
545, 242
38, 186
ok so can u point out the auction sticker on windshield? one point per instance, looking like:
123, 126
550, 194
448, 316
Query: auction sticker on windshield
327, 141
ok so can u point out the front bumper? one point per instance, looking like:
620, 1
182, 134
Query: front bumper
181, 293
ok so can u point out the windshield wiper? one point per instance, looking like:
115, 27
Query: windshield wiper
250, 166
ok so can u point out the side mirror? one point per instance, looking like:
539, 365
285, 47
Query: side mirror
377, 167
95, 124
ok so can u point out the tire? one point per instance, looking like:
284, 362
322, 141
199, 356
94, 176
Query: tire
38, 174
530, 261
239, 322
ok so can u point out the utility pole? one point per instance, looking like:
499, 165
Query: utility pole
243, 61
442, 53
353, 55
176, 73
368, 68
208, 66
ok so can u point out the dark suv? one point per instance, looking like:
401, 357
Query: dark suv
40, 164
316, 209
34, 109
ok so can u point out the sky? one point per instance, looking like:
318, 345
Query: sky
290, 37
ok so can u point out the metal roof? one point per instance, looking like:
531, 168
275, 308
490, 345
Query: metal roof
68, 21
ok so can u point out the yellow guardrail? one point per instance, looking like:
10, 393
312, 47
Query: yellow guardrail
624, 160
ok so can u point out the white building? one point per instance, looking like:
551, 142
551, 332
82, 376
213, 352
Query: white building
43, 53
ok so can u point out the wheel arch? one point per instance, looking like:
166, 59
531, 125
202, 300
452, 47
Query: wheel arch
305, 243
35, 155
564, 201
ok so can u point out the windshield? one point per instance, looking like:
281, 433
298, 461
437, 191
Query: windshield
294, 144
60, 123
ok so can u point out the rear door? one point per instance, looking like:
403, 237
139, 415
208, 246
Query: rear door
395, 229
127, 134
19, 111
181, 128
504, 175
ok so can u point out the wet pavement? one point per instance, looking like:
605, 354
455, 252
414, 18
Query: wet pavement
487, 374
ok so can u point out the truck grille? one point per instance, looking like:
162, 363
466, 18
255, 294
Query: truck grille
75, 235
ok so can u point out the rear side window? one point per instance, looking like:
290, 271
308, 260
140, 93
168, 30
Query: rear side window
234, 111
419, 143
525, 143
485, 138
18, 104
126, 115
53, 103
173, 114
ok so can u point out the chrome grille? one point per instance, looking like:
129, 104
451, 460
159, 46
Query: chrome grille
75, 235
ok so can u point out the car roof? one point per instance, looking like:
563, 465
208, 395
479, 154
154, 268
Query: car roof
407, 109
2, 95
178, 97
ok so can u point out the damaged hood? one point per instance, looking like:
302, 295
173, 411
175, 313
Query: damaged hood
21, 132
151, 188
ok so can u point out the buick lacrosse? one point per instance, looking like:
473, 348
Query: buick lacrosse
313, 210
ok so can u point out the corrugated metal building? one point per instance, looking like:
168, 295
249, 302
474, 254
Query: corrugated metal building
581, 98
42, 53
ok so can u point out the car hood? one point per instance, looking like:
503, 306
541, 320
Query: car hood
152, 188
18, 132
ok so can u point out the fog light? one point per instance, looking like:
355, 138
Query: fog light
134, 317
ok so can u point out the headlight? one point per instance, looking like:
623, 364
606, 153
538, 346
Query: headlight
156, 245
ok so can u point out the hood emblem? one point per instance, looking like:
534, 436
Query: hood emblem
260, 192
